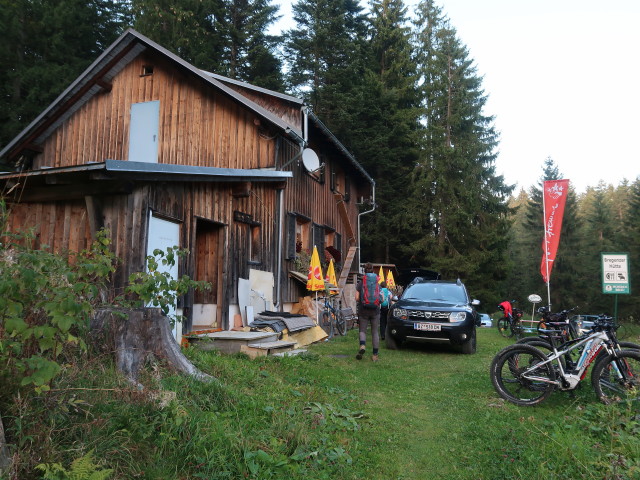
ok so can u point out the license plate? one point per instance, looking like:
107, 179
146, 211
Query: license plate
427, 327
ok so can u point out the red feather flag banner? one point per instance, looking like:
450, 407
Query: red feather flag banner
553, 200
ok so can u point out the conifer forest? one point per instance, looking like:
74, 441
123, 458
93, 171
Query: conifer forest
399, 90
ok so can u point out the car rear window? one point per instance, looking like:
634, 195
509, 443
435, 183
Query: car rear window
443, 292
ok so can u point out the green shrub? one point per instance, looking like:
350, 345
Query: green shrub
46, 301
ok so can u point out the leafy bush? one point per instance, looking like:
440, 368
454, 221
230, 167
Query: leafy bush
156, 287
46, 301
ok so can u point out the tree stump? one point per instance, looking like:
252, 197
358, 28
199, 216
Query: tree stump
137, 335
5, 456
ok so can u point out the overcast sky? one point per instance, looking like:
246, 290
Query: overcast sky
562, 80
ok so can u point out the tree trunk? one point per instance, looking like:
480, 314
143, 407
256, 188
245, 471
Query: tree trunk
5, 456
135, 336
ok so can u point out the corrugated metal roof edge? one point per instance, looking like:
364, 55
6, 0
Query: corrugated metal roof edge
126, 166
341, 147
241, 83
142, 167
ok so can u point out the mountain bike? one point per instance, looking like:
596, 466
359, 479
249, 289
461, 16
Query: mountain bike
525, 375
568, 330
332, 318
509, 325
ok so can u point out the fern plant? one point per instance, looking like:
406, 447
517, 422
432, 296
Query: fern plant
82, 468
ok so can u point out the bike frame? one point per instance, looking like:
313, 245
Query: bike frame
569, 381
328, 305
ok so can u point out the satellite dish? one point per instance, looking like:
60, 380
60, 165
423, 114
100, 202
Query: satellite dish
310, 160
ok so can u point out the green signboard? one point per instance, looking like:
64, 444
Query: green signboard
615, 273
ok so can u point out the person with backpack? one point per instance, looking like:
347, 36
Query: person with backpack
384, 308
368, 300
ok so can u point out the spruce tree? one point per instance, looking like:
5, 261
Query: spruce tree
516, 286
324, 54
459, 204
249, 52
190, 29
45, 46
226, 37
599, 237
383, 137
631, 303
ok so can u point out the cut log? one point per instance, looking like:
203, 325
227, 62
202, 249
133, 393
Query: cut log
137, 335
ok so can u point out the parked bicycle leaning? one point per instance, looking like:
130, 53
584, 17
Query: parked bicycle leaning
526, 375
567, 330
332, 317
510, 324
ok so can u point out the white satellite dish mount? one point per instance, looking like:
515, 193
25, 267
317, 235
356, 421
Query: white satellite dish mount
310, 160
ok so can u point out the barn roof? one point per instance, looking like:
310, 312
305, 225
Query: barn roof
100, 73
128, 46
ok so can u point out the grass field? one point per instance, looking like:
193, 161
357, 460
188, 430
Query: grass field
419, 413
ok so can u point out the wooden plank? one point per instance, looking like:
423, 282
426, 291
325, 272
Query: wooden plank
344, 215
346, 267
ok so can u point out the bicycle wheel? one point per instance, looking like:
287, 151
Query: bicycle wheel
517, 329
517, 379
504, 328
327, 321
341, 323
616, 378
622, 332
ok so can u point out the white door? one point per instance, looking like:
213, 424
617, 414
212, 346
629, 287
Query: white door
162, 235
143, 132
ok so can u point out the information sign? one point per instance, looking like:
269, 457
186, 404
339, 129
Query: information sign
615, 273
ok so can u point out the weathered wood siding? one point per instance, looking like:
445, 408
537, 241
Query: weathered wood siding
288, 111
307, 196
63, 226
198, 125
56, 226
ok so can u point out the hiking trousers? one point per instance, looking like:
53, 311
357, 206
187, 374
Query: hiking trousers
368, 316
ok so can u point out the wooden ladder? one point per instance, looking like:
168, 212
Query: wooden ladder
344, 215
346, 267
351, 239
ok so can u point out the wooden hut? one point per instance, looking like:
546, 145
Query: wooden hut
161, 153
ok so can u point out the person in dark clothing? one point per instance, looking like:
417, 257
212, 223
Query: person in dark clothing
368, 300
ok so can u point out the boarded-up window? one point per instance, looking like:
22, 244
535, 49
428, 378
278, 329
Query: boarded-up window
252, 234
318, 239
255, 247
